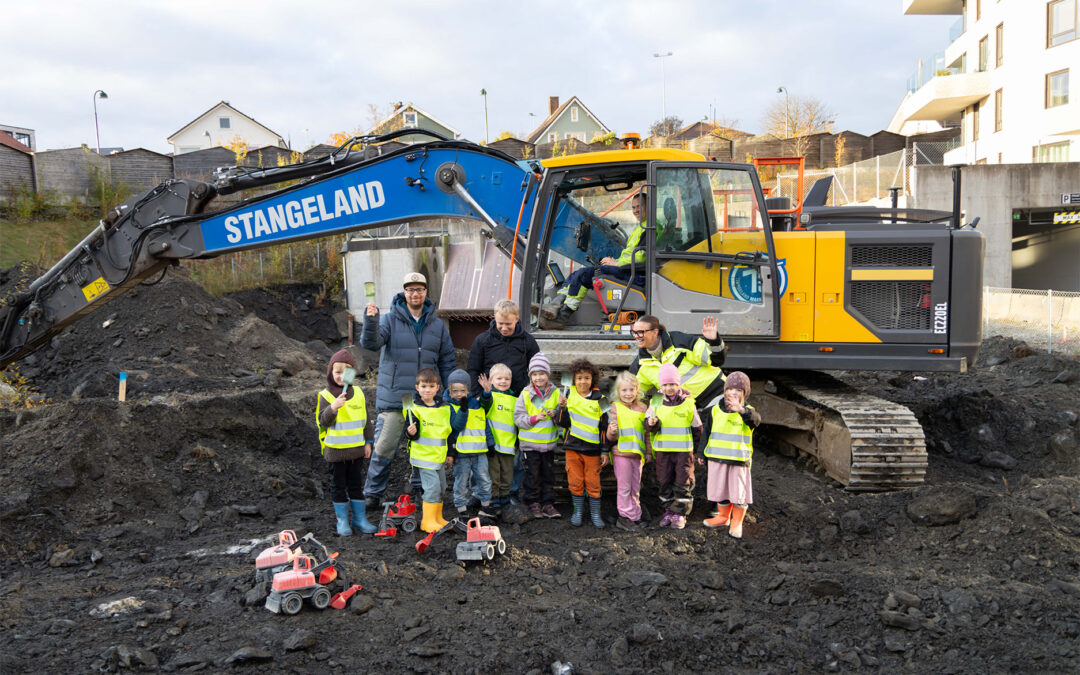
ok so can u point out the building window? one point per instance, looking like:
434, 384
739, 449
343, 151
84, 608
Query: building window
1051, 152
223, 122
978, 9
999, 45
975, 122
573, 114
1057, 88
1060, 22
409, 118
997, 110
552, 137
984, 53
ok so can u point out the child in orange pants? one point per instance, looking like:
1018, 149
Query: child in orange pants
585, 425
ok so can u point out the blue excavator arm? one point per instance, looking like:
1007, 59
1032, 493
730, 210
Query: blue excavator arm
346, 191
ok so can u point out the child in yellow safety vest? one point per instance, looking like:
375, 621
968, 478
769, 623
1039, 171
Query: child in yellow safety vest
502, 432
675, 427
470, 448
345, 434
585, 424
630, 446
430, 422
534, 415
728, 445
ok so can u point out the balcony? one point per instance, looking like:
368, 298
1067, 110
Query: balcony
944, 96
933, 7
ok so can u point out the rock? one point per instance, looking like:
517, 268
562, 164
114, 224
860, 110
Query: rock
96, 556
898, 620
643, 633
249, 655
1064, 587
826, 587
61, 557
426, 650
996, 360
382, 568
983, 434
413, 633
644, 578
959, 601
1021, 351
299, 640
855, 522
998, 460
1063, 445
257, 594
294, 362
130, 657
619, 650
1069, 417
941, 505
455, 573
1064, 377
713, 580
361, 604
905, 599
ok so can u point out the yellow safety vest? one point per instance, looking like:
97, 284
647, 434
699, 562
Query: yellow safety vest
675, 421
631, 430
731, 438
500, 417
428, 451
347, 431
544, 431
584, 417
694, 377
473, 438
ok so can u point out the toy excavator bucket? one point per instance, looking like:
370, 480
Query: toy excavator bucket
424, 543
340, 600
329, 573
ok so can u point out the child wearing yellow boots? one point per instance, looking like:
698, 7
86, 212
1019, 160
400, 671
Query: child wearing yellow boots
430, 423
728, 446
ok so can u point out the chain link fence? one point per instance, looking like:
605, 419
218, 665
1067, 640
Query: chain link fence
1048, 319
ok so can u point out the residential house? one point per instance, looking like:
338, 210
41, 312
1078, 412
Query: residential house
704, 128
1005, 78
221, 125
16, 166
569, 120
21, 134
408, 116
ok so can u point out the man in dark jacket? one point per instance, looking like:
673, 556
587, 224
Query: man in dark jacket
504, 342
411, 337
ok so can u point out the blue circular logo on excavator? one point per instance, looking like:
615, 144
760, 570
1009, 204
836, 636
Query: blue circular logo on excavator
745, 282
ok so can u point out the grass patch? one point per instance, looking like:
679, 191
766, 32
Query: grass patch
42, 242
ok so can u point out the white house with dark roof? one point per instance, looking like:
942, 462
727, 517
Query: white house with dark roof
569, 120
220, 125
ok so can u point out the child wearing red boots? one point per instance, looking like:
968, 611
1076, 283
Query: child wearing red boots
728, 445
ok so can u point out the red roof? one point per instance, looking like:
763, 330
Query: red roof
9, 140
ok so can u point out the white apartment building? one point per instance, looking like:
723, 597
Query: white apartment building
1009, 77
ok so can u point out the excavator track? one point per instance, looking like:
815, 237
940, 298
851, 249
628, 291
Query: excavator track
862, 441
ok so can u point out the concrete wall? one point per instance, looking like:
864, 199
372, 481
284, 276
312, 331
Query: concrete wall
67, 172
991, 192
386, 261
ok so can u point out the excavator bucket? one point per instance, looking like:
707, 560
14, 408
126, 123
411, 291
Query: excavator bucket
340, 600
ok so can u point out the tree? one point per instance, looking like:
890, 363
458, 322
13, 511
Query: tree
668, 126
795, 118
839, 150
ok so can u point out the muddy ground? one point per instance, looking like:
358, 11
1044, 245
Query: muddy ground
131, 528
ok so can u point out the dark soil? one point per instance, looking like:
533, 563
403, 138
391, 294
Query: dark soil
159, 505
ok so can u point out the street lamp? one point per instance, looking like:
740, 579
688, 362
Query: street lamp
98, 94
483, 92
787, 111
209, 138
663, 89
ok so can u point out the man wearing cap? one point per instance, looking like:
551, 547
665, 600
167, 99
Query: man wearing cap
411, 337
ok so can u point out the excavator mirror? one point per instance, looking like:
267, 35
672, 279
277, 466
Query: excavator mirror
582, 235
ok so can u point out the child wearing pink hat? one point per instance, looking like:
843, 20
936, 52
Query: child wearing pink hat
675, 427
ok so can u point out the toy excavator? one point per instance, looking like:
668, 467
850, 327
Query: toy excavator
833, 289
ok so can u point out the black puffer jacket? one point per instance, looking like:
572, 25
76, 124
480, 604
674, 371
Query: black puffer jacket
491, 347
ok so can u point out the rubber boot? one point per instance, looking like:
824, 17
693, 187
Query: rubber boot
428, 523
438, 515
559, 322
341, 510
594, 511
721, 518
579, 510
737, 515
359, 517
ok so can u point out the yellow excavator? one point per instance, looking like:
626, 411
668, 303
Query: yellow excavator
814, 289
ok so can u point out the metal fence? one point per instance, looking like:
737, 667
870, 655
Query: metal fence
1048, 319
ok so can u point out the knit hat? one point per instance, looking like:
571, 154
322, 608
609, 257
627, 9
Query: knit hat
458, 376
342, 356
669, 374
738, 380
540, 362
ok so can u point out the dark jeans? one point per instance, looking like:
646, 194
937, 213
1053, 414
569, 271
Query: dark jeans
583, 276
539, 485
347, 480
675, 474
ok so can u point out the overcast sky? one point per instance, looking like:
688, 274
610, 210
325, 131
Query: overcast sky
308, 69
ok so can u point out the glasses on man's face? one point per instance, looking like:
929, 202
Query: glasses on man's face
416, 291
640, 333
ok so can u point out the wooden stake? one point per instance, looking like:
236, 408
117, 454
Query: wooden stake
123, 387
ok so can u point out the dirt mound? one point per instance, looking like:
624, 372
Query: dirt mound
303, 312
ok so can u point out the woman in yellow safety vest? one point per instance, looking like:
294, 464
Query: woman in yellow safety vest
697, 359
345, 434
675, 427
729, 446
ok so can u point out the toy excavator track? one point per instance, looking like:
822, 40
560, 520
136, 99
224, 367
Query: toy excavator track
864, 442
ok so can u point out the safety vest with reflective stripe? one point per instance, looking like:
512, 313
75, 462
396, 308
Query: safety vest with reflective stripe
347, 431
631, 430
428, 451
731, 438
584, 417
544, 430
675, 421
693, 376
500, 417
473, 438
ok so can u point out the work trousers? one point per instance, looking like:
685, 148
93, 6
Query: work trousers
434, 484
582, 277
389, 432
675, 474
519, 474
628, 486
539, 485
346, 480
501, 470
471, 468
583, 473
